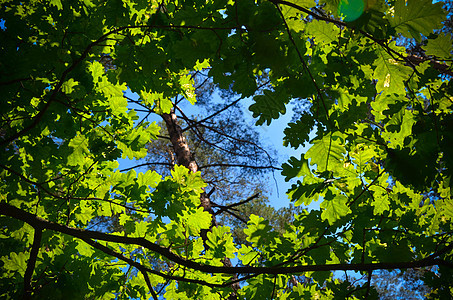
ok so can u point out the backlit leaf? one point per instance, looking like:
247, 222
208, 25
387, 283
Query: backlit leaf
327, 152
415, 17
334, 207
390, 73
439, 47
84, 249
79, 145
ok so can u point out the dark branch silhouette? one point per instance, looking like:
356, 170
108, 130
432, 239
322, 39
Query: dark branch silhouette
8, 210
28, 290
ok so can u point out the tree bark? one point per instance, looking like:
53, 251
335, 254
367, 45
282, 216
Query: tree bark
439, 66
185, 158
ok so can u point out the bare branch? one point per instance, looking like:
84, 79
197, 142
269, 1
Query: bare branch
146, 164
233, 214
143, 268
239, 166
214, 114
240, 203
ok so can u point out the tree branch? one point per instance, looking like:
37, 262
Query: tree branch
238, 203
142, 268
233, 214
442, 68
220, 110
213, 115
150, 287
239, 166
411, 60
31, 262
8, 210
147, 164
368, 285
304, 63
269, 158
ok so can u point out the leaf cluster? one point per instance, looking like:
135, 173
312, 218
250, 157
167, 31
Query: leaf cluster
377, 119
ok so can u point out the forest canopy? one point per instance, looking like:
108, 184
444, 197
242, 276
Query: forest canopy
370, 85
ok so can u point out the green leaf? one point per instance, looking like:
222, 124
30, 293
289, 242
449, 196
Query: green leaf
86, 212
259, 287
220, 242
84, 249
413, 18
57, 3
292, 14
164, 106
334, 207
268, 106
440, 47
150, 178
132, 143
327, 152
399, 127
362, 156
346, 100
297, 133
192, 181
447, 208
105, 209
79, 145
390, 73
247, 255
322, 32
303, 3
96, 69
118, 105
306, 192
16, 262
149, 98
381, 199
123, 218
258, 231
188, 89
109, 89
295, 168
201, 219
68, 86
141, 229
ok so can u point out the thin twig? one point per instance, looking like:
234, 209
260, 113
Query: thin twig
304, 63
368, 285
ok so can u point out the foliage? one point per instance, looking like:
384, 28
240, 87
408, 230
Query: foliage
231, 158
378, 119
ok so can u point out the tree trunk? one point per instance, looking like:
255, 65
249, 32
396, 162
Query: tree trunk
185, 158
